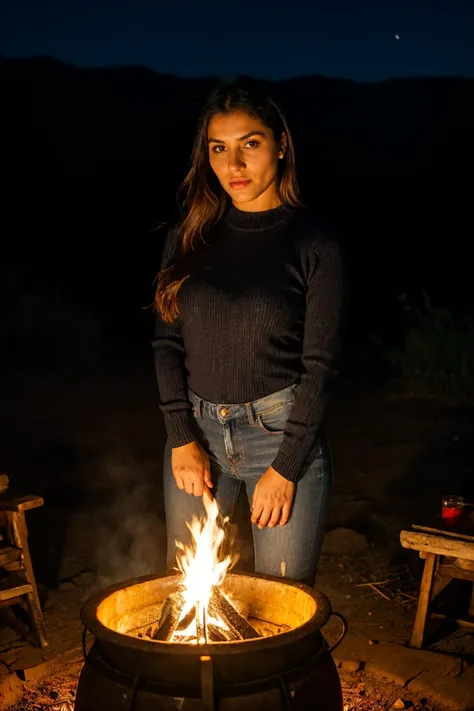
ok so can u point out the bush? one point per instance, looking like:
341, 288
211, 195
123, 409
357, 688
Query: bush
438, 349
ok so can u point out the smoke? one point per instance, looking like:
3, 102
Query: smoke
121, 534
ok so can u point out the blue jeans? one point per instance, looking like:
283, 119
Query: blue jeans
242, 442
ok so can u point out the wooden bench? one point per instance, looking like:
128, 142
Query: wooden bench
17, 583
448, 556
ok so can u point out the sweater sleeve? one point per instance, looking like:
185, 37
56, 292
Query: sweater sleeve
324, 305
170, 369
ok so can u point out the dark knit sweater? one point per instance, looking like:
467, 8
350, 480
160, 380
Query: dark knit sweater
261, 311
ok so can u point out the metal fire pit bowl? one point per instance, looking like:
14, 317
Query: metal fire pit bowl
290, 670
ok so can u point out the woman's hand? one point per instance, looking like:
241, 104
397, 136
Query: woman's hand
191, 468
272, 500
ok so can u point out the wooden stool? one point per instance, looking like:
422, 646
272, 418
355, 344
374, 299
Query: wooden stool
19, 585
447, 556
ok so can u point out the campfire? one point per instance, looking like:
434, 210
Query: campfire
198, 612
230, 640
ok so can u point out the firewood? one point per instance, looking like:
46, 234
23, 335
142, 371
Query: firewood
201, 633
219, 606
149, 632
236, 626
219, 634
187, 619
170, 616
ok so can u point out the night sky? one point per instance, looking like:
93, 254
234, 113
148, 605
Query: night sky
356, 39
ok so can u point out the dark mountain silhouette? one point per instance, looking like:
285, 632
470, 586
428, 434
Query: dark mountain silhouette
91, 159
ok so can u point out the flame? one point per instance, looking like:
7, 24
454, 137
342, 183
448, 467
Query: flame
203, 566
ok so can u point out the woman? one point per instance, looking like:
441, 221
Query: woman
249, 303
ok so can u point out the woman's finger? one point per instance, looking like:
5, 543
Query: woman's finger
207, 478
285, 514
265, 516
188, 485
275, 517
198, 486
256, 510
179, 482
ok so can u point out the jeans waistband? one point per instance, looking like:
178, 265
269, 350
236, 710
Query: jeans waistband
223, 412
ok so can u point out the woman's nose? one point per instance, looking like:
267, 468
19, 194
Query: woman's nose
235, 161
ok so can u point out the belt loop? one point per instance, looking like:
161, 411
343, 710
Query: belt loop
201, 408
250, 413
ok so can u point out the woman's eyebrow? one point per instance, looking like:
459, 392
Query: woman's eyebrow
242, 138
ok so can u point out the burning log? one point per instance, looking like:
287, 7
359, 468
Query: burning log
170, 616
219, 634
235, 626
186, 621
219, 606
201, 627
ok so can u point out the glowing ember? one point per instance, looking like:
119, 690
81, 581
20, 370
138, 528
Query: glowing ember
204, 567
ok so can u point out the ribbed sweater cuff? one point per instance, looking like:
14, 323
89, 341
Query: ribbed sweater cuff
180, 427
288, 468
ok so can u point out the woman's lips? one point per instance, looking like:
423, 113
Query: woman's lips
239, 184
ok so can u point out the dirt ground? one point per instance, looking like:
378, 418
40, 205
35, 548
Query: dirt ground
58, 693
92, 443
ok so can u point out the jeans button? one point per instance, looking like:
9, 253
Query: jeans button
223, 411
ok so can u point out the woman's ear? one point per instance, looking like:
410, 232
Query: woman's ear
283, 145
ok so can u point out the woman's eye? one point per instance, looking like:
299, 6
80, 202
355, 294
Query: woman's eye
250, 144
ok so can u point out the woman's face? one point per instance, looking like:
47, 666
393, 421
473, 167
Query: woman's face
244, 156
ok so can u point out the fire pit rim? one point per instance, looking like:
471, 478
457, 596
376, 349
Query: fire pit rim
91, 622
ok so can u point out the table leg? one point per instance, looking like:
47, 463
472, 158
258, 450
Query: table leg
423, 601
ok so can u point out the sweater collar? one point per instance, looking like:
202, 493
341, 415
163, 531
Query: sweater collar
249, 221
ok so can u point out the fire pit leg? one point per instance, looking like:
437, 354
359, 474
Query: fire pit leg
207, 684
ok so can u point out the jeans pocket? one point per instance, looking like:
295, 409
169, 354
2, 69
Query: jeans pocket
273, 421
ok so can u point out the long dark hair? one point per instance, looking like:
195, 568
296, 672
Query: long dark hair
204, 202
